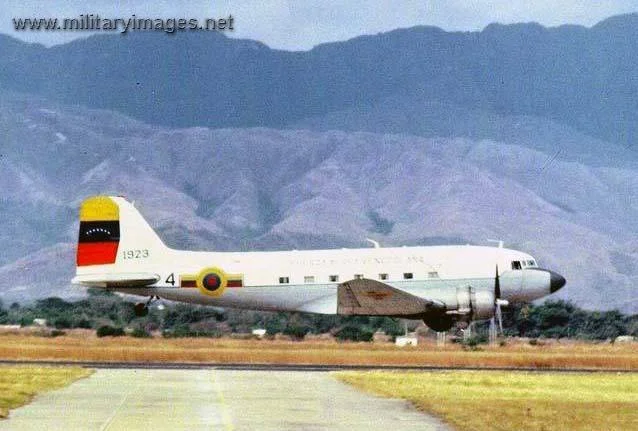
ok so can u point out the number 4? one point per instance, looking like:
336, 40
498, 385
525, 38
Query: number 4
171, 279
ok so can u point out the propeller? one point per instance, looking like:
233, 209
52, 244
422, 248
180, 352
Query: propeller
499, 316
497, 285
498, 302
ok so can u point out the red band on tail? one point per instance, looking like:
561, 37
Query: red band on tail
96, 253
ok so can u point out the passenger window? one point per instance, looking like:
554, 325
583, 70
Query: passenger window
309, 279
433, 274
284, 280
333, 278
516, 264
408, 275
383, 276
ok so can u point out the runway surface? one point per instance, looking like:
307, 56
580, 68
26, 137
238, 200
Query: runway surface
213, 399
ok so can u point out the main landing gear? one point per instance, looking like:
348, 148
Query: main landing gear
141, 308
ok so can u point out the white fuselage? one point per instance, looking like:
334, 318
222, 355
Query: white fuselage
307, 280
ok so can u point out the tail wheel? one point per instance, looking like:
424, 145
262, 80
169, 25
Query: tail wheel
212, 282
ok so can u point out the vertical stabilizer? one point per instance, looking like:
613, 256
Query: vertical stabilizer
113, 232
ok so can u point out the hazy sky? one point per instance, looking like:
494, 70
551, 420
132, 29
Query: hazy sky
301, 24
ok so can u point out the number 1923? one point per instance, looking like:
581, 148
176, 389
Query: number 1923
135, 254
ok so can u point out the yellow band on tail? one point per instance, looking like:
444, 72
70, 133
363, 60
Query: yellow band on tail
99, 208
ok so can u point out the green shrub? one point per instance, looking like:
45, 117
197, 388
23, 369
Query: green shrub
82, 322
275, 325
109, 331
354, 333
297, 332
62, 323
26, 321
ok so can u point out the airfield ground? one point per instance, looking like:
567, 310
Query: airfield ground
84, 346
495, 400
467, 400
19, 384
209, 398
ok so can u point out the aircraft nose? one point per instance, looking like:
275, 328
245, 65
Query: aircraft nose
556, 281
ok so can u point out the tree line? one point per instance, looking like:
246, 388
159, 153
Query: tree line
111, 314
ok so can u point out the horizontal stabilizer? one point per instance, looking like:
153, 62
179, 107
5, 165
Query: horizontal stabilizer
117, 280
373, 298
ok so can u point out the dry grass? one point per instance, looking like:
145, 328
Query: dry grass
18, 385
493, 400
84, 346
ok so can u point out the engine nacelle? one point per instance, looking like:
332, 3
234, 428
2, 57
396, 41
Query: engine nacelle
475, 305
470, 305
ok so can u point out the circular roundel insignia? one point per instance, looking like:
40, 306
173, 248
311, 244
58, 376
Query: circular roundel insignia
212, 281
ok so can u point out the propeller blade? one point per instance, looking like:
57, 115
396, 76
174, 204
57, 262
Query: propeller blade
499, 316
497, 284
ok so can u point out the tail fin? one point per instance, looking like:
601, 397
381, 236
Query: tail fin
113, 232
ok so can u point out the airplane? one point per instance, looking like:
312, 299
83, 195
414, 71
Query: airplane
442, 285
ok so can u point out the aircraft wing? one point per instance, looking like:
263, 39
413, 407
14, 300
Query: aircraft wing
117, 280
374, 298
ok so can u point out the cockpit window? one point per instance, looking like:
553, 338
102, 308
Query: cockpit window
531, 263
516, 264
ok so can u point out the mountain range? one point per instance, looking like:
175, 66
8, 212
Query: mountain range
260, 188
581, 77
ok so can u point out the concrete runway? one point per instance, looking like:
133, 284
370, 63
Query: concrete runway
145, 399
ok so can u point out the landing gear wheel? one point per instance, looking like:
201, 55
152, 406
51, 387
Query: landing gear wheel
141, 309
440, 323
